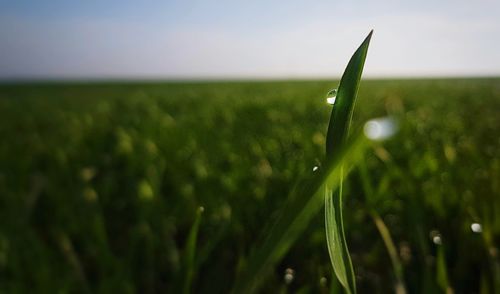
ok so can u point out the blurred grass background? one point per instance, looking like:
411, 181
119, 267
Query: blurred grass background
100, 184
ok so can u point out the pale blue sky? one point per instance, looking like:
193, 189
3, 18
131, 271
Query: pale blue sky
246, 39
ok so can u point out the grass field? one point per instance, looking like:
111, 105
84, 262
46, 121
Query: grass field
101, 184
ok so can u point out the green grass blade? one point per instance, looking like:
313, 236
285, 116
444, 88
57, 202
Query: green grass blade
441, 271
338, 129
341, 115
382, 228
397, 266
303, 204
189, 260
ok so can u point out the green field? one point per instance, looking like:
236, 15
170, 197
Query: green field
101, 183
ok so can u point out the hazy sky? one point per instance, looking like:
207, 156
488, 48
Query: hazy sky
218, 39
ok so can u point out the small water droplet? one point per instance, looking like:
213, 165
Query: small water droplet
331, 96
332, 92
437, 240
476, 228
201, 209
323, 281
315, 168
289, 275
435, 236
380, 128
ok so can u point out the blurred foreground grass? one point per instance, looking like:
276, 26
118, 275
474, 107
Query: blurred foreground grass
100, 184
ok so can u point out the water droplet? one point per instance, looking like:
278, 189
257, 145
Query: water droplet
332, 92
435, 237
323, 281
437, 240
289, 275
331, 96
201, 209
476, 228
380, 128
315, 168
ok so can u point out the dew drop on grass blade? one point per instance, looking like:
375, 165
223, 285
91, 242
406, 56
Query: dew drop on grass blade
338, 129
306, 200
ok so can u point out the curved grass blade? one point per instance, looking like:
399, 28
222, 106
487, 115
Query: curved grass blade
338, 128
397, 266
302, 205
383, 230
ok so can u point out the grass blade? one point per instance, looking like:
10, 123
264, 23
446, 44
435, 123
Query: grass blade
392, 251
383, 230
441, 271
338, 129
340, 118
189, 261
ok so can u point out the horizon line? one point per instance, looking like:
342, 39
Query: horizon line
155, 79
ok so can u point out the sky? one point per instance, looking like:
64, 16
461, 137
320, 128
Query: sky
174, 39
